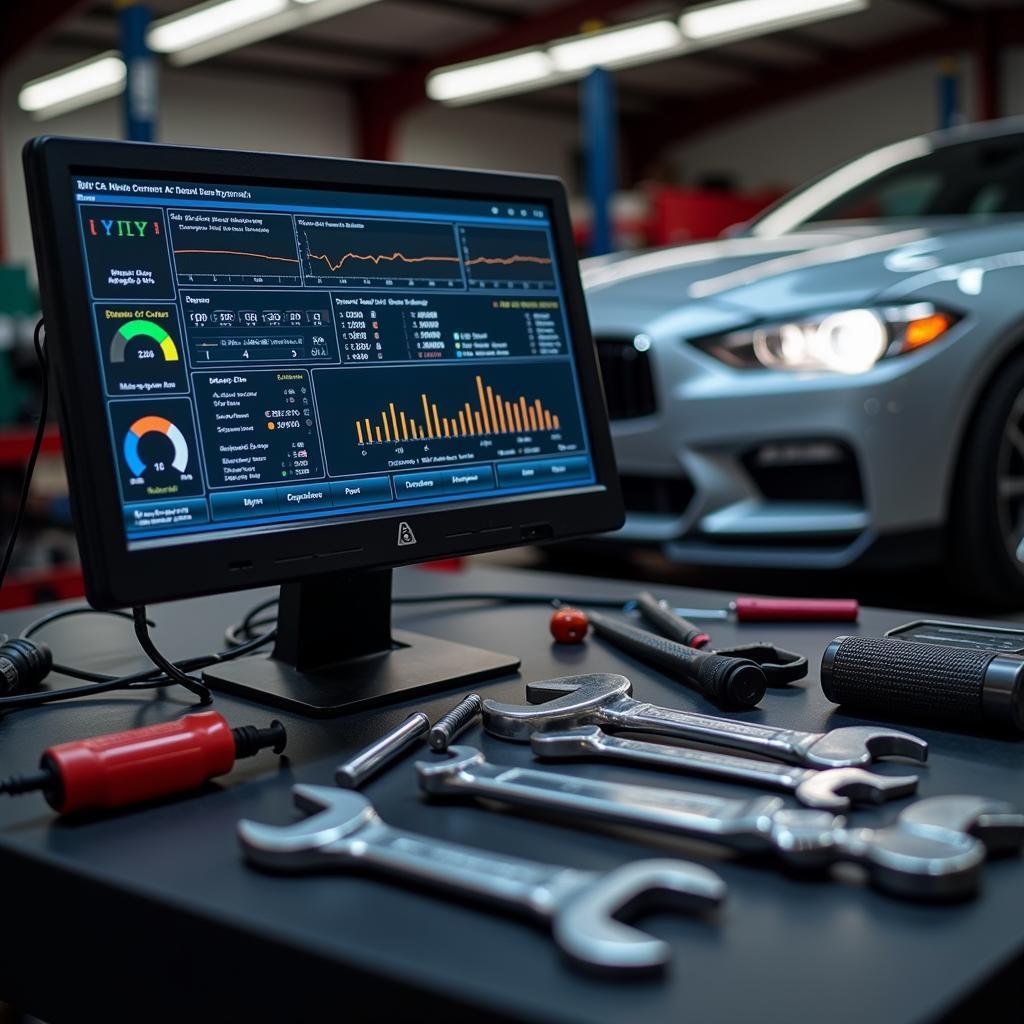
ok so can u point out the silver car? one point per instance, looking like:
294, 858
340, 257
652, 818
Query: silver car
839, 383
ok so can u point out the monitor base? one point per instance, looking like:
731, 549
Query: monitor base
335, 652
416, 664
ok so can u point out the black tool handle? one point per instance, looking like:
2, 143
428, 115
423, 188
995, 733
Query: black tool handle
925, 681
731, 683
668, 624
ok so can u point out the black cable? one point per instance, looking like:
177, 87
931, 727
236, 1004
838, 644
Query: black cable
238, 632
30, 466
146, 679
167, 667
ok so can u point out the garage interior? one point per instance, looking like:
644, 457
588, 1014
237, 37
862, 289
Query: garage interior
784, 299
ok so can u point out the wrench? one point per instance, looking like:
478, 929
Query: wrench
827, 789
933, 852
603, 698
585, 909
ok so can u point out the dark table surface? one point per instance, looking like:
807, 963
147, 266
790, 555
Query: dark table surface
151, 913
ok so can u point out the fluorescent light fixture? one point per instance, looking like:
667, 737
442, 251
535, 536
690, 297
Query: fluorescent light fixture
615, 47
208, 21
489, 77
97, 78
738, 19
222, 25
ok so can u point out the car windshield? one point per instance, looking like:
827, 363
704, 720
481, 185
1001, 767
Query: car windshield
911, 180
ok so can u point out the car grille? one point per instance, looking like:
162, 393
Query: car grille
628, 383
664, 495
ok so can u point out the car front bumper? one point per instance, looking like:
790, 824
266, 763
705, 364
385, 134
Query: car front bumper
890, 434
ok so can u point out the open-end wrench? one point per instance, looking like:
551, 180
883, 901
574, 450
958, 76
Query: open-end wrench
603, 698
585, 909
933, 852
829, 789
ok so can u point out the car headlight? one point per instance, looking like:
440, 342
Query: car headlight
845, 341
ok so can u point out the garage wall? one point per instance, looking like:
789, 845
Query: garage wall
202, 108
787, 144
489, 137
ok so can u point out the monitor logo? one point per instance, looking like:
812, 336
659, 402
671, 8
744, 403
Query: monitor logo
405, 535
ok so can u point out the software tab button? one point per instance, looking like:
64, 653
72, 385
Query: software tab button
242, 504
300, 496
367, 490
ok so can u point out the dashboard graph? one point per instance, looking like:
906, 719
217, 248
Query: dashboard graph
396, 254
490, 413
396, 417
506, 258
233, 249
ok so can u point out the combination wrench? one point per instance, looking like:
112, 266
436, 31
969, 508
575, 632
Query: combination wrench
603, 698
934, 849
584, 909
831, 789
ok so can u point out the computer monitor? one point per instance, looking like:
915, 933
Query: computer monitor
303, 371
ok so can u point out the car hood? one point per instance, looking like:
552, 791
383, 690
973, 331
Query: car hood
729, 280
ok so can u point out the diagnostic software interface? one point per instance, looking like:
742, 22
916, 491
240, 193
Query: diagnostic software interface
274, 356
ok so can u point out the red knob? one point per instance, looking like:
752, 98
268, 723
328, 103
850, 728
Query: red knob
569, 625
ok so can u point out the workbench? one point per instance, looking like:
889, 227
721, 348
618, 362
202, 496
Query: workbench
150, 913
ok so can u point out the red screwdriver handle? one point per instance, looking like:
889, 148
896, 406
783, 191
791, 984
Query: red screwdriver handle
141, 764
798, 609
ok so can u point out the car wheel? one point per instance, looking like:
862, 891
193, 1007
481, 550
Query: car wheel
986, 527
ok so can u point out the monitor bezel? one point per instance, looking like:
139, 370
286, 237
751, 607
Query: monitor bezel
117, 576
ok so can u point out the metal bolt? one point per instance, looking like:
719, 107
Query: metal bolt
450, 725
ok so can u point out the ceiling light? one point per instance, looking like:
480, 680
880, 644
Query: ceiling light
92, 80
217, 27
615, 47
742, 18
208, 21
489, 76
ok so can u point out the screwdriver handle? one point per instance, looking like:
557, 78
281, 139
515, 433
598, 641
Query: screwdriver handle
798, 609
730, 683
669, 624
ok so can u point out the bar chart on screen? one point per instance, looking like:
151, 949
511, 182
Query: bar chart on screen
388, 417
489, 413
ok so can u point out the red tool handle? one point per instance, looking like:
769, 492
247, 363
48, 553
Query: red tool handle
128, 767
795, 609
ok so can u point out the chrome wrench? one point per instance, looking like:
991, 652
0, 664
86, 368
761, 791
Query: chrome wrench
583, 908
934, 850
830, 789
603, 698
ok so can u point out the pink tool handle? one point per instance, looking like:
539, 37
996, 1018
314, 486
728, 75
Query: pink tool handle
799, 609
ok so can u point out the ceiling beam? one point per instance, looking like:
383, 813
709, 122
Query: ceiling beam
653, 134
943, 8
474, 7
22, 24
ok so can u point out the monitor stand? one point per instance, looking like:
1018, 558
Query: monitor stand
336, 653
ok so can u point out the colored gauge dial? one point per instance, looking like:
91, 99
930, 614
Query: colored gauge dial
136, 330
154, 424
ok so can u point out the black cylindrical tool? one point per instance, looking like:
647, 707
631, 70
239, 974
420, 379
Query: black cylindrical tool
731, 683
925, 681
670, 625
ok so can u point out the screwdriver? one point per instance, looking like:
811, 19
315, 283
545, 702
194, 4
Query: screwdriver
124, 768
780, 609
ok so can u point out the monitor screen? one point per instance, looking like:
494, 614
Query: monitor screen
276, 356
